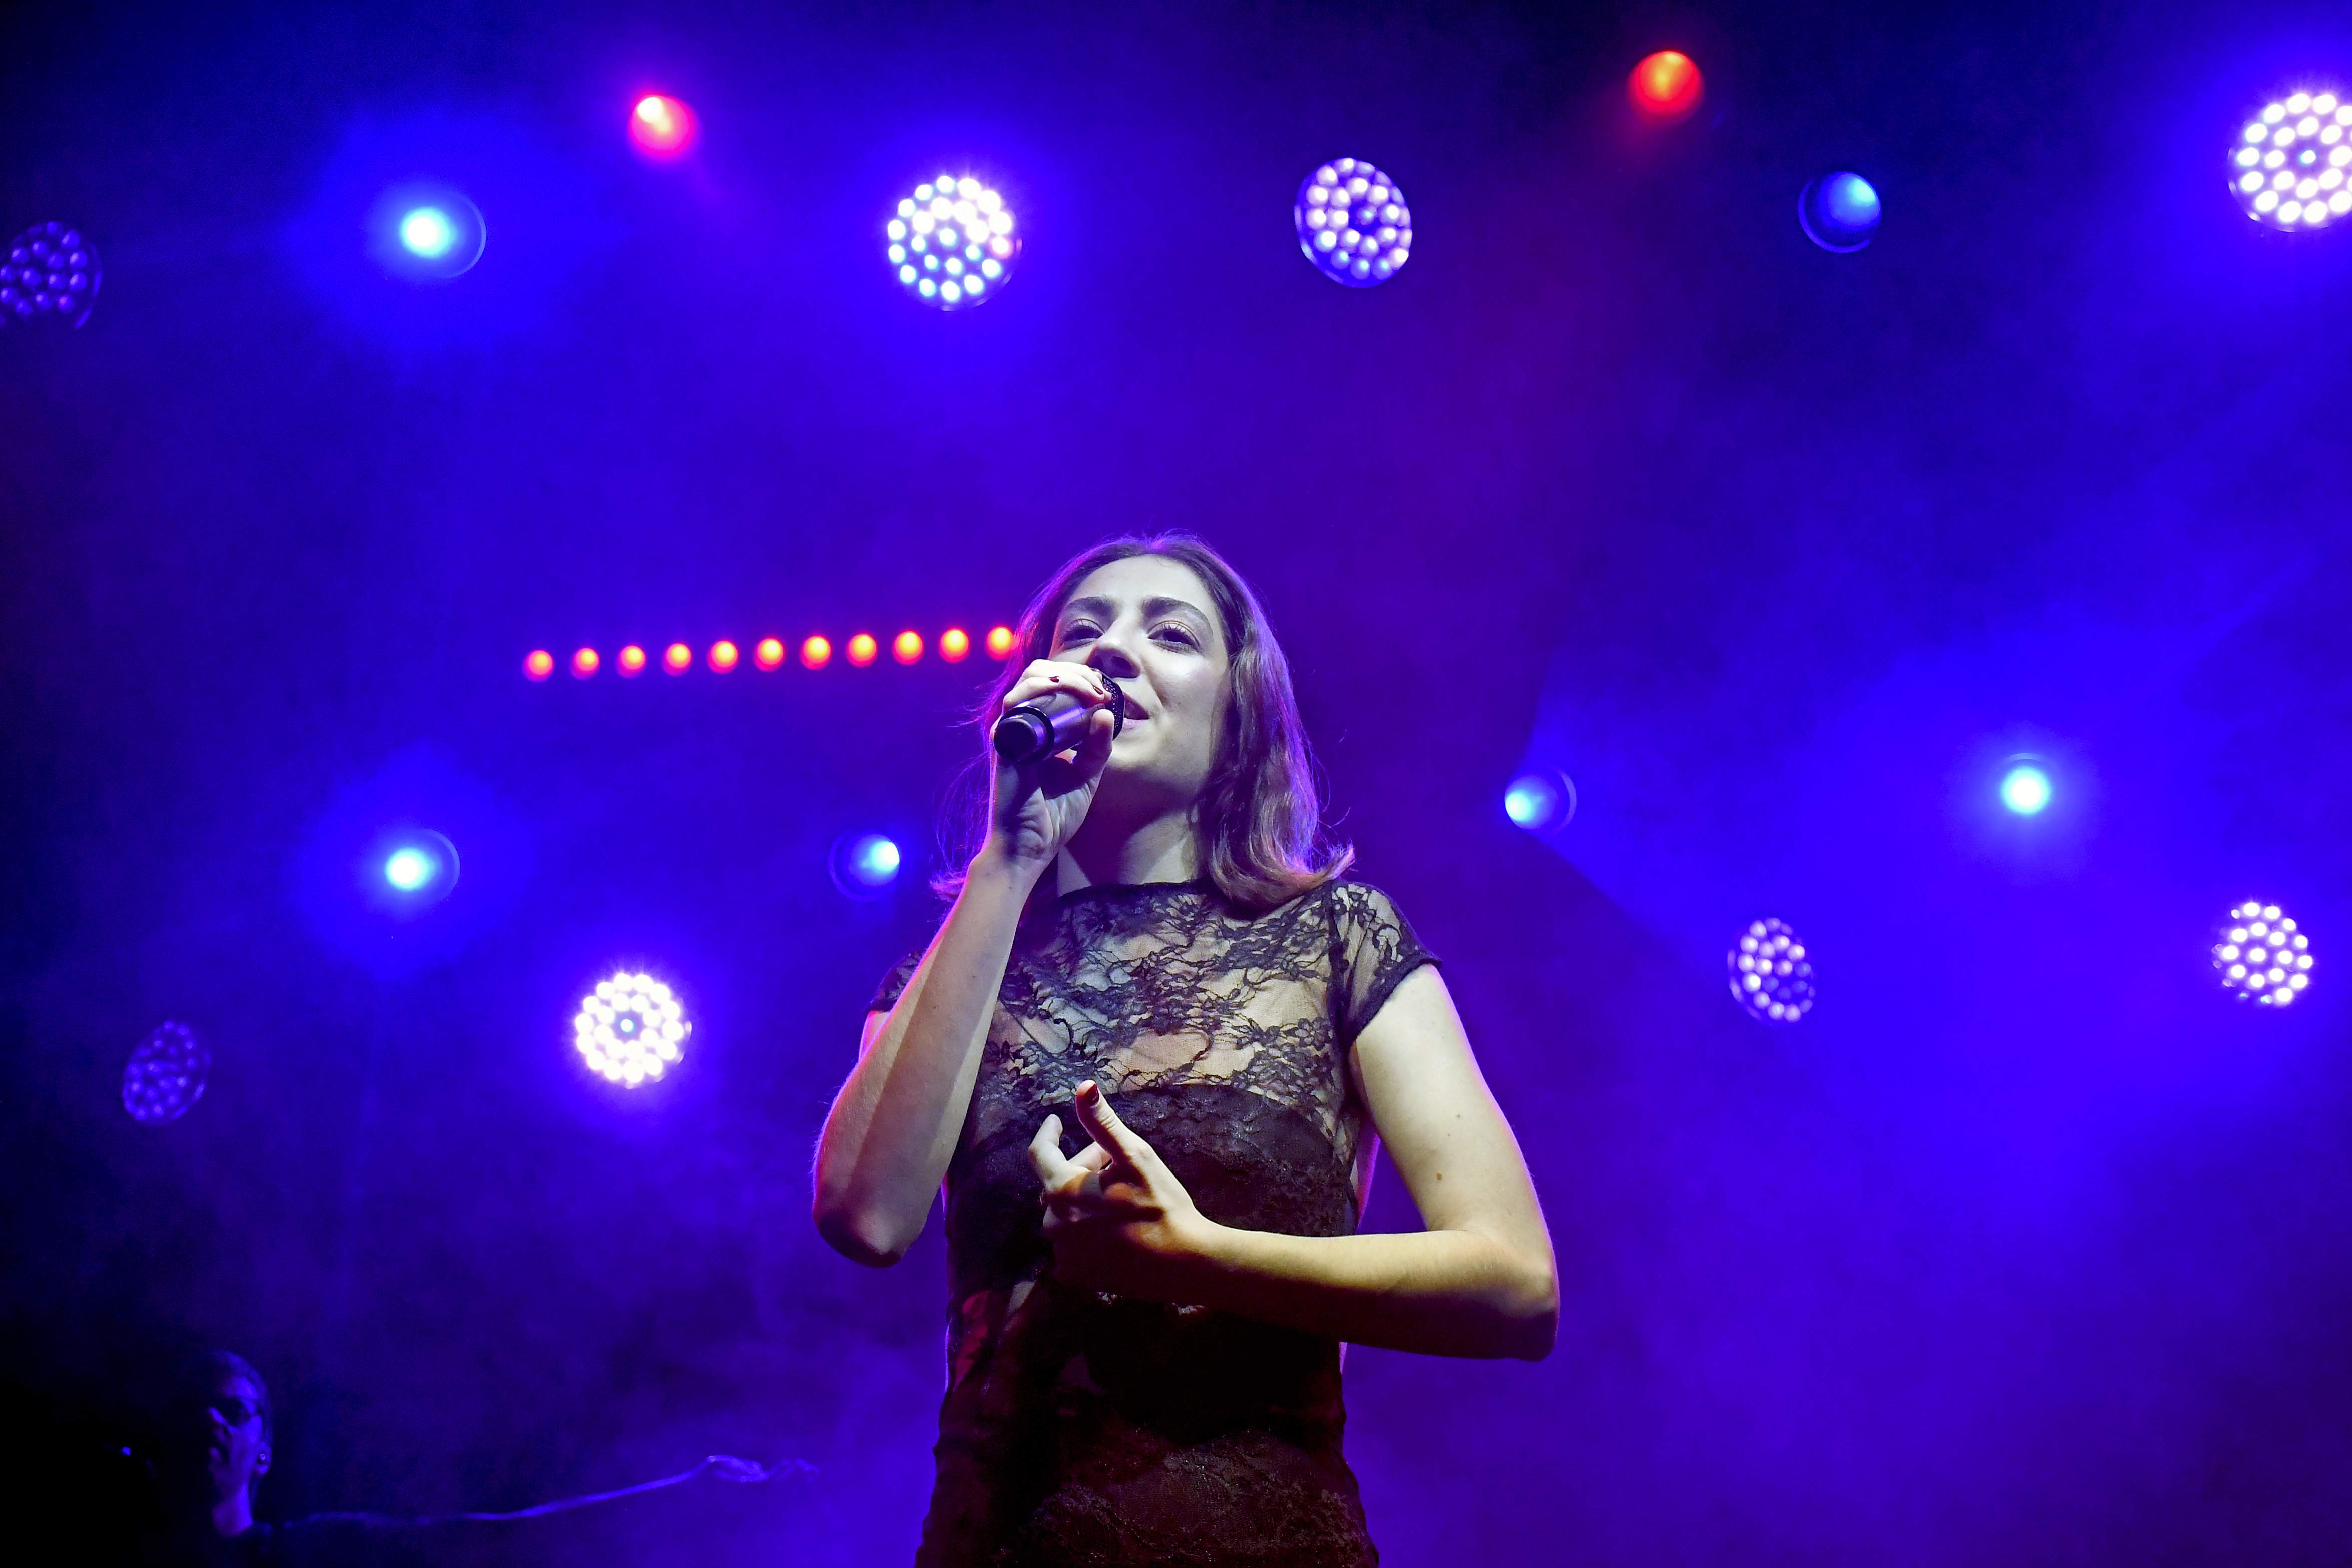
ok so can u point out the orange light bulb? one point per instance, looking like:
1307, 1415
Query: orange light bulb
723, 656
862, 649
584, 663
631, 660
954, 645
816, 652
538, 664
678, 658
770, 654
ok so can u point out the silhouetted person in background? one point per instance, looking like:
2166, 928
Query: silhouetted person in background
220, 1445
236, 1449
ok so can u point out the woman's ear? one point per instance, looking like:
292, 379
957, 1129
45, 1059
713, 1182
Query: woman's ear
261, 1462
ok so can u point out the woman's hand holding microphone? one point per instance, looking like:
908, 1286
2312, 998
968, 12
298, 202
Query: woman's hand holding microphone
1036, 808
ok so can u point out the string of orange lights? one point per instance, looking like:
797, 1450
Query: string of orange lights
953, 647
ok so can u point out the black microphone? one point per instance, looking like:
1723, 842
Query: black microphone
1056, 721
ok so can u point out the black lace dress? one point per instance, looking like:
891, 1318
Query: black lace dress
1085, 1428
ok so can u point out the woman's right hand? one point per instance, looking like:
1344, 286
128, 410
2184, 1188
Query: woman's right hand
1036, 808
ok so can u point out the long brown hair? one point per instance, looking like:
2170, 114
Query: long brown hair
1259, 821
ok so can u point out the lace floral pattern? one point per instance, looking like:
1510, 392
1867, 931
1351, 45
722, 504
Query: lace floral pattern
1082, 1429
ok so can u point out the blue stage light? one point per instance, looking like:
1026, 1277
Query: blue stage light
1353, 223
2261, 957
2025, 789
426, 232
166, 1075
951, 243
863, 864
1770, 974
49, 274
418, 867
874, 860
1840, 212
408, 868
630, 1029
2290, 167
1539, 800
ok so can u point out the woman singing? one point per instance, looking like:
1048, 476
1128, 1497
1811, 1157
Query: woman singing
1154, 1089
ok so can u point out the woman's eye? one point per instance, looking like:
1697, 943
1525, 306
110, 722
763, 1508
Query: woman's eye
1180, 635
1075, 630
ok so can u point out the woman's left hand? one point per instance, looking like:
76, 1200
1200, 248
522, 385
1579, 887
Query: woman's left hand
1117, 1216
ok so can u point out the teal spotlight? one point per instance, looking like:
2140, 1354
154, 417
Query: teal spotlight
427, 233
2025, 789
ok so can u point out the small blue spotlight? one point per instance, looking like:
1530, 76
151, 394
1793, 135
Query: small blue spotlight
2025, 789
418, 867
427, 232
1840, 212
409, 868
874, 860
864, 864
1539, 800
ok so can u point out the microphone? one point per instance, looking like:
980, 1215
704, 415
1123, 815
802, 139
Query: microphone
1056, 721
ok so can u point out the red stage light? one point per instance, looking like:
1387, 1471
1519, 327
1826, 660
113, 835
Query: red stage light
816, 652
770, 654
723, 655
907, 647
538, 664
954, 645
1000, 642
1666, 84
631, 660
862, 649
584, 663
678, 658
661, 126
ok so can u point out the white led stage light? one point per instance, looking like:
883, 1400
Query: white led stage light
630, 1029
2291, 166
1353, 223
166, 1075
952, 243
49, 275
1770, 974
2261, 957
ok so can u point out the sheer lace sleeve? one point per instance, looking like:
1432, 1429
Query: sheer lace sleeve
886, 995
1372, 948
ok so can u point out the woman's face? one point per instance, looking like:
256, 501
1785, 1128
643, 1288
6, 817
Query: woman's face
1151, 625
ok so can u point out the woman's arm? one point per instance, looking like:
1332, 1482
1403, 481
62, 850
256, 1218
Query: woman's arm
1478, 1281
893, 1127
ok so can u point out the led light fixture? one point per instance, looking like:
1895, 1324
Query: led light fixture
952, 243
1353, 223
1770, 974
630, 1029
48, 276
2261, 957
2291, 166
166, 1075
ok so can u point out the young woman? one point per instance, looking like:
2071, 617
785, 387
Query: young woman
1152, 1051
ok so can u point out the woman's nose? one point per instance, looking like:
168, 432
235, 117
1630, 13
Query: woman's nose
1112, 659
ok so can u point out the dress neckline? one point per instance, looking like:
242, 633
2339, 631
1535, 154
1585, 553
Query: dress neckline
1130, 889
